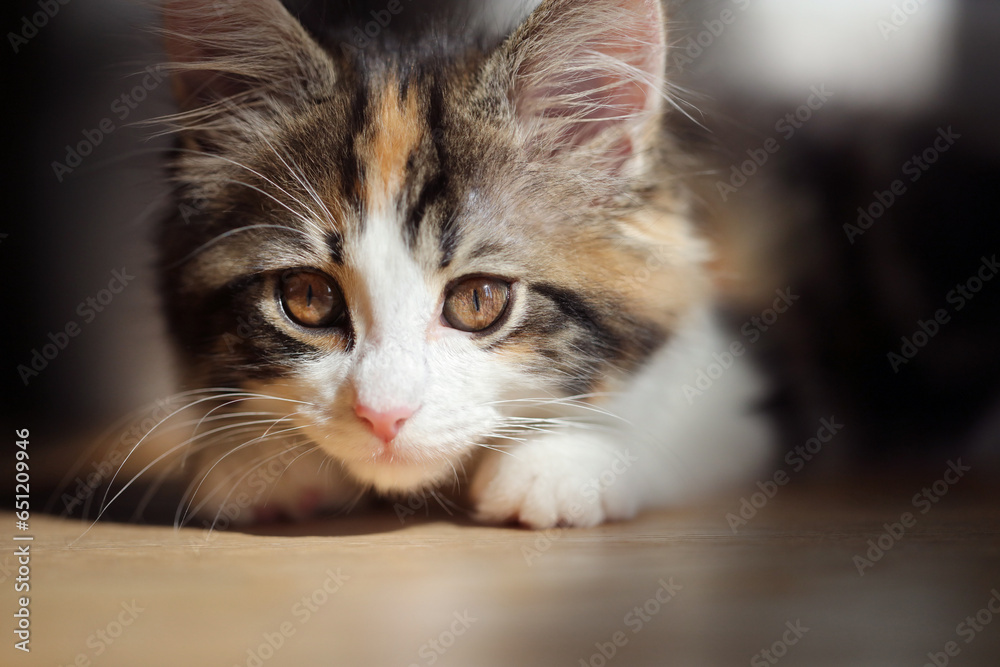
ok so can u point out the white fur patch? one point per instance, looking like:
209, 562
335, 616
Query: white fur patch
393, 321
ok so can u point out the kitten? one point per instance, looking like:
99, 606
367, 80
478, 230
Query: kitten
398, 267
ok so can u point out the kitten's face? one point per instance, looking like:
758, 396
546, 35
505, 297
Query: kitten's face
413, 251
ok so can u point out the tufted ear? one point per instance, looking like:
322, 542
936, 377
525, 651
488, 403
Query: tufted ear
241, 50
587, 77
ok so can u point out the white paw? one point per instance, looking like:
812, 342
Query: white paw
564, 480
243, 490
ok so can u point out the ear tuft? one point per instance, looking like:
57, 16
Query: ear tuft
587, 78
224, 51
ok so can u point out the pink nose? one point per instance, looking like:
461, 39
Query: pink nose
385, 424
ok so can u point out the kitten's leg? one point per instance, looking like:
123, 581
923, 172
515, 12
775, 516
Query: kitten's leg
267, 482
670, 446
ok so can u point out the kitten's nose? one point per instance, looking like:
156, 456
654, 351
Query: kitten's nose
385, 424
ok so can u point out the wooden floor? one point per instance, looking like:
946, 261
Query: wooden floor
670, 588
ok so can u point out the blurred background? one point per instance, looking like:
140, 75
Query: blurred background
852, 157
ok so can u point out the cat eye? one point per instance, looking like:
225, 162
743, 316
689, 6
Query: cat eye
311, 299
475, 304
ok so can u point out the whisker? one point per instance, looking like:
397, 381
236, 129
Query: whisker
205, 475
182, 445
256, 173
162, 477
314, 448
230, 394
362, 492
301, 180
447, 504
253, 467
495, 448
550, 402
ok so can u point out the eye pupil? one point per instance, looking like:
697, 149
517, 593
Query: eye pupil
475, 304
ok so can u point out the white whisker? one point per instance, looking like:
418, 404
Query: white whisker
256, 440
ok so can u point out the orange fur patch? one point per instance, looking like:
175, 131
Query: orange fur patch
398, 131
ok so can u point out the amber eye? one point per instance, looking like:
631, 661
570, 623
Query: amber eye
311, 299
476, 303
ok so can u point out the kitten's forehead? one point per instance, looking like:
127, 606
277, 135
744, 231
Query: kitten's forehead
381, 249
394, 139
398, 167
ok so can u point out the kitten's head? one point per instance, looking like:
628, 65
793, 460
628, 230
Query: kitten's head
415, 242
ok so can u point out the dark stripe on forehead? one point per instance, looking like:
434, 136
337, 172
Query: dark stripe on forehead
405, 79
449, 232
435, 118
351, 167
432, 191
437, 182
335, 244
450, 237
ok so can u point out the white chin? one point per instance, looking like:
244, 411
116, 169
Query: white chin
398, 477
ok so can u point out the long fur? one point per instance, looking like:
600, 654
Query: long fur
542, 162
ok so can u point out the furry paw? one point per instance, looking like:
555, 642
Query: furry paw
564, 480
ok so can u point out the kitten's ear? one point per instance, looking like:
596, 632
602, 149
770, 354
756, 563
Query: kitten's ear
586, 78
234, 50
